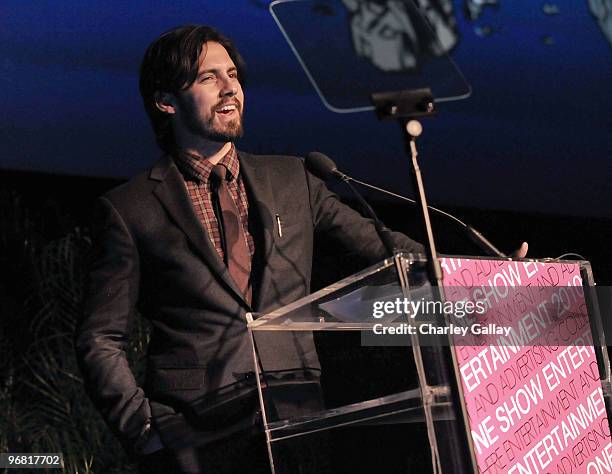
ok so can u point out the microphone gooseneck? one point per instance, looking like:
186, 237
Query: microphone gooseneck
324, 167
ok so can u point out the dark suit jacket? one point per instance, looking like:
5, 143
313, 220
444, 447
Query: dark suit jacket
152, 255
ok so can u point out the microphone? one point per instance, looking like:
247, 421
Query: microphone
324, 168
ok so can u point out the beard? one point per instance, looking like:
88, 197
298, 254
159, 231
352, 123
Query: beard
207, 129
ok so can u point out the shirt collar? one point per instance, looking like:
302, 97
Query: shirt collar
199, 169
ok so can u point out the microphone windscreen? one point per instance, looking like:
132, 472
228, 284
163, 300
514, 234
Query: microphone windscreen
322, 166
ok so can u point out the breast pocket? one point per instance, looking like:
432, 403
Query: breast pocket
288, 226
290, 239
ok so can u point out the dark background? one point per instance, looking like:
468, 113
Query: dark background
526, 157
533, 140
535, 136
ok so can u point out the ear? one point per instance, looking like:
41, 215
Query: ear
165, 102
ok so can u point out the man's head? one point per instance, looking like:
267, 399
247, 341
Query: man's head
191, 84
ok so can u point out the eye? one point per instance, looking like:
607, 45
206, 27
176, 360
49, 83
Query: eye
207, 78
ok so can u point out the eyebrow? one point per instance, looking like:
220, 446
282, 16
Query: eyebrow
215, 70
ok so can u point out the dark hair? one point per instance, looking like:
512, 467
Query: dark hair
170, 64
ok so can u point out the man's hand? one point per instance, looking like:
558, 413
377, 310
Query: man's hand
521, 252
149, 441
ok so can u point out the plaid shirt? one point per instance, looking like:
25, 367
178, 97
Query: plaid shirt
196, 172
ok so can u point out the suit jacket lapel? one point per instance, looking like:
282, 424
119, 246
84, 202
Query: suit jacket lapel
258, 185
172, 193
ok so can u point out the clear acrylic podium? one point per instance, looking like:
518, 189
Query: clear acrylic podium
377, 401
406, 386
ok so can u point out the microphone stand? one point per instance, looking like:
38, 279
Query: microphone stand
404, 106
412, 129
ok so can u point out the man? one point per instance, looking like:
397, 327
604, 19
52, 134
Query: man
205, 236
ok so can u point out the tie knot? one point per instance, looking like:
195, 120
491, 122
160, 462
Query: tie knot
219, 173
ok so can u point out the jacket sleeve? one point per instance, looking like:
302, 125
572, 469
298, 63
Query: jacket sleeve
349, 228
103, 331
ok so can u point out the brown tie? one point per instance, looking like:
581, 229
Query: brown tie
235, 247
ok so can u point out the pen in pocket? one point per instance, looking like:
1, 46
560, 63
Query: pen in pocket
279, 225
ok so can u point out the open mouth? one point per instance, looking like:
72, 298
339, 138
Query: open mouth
227, 109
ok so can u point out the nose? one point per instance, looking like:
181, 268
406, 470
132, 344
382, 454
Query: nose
229, 87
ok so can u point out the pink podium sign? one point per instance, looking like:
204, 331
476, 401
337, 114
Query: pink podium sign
528, 368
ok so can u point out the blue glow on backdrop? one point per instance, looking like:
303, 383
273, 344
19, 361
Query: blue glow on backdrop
536, 135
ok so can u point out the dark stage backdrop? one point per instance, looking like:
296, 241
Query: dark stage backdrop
535, 136
524, 158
